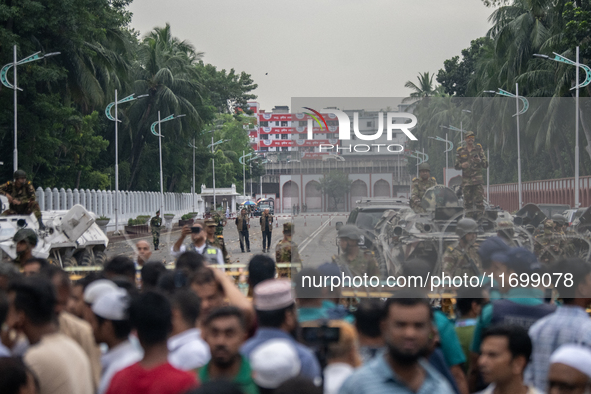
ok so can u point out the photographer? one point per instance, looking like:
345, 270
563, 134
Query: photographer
212, 254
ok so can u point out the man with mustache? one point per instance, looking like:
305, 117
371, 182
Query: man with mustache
224, 330
407, 329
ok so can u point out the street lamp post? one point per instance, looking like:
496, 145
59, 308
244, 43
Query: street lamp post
587, 81
160, 136
449, 147
192, 145
212, 145
519, 112
15, 87
116, 120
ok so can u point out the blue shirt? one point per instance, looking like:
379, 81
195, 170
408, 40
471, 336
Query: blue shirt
376, 377
310, 365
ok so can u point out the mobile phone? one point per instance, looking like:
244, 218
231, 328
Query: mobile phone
195, 230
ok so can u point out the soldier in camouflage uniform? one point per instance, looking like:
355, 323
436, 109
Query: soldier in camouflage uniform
547, 246
286, 251
420, 186
566, 243
25, 240
471, 160
352, 260
155, 224
462, 257
220, 222
21, 197
215, 240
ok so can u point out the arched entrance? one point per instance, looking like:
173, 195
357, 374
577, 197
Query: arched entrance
291, 191
358, 191
381, 189
313, 197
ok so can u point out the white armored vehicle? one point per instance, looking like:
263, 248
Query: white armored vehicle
70, 238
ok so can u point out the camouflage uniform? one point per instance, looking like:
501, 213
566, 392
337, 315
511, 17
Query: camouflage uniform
219, 221
155, 224
363, 263
286, 251
472, 179
26, 196
458, 261
419, 187
547, 246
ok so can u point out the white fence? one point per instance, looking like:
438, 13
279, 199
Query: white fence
132, 204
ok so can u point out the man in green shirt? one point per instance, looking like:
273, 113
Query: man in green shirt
224, 330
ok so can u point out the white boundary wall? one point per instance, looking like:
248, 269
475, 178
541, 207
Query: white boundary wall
132, 204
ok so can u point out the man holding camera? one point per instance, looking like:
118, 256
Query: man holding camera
242, 222
212, 254
471, 160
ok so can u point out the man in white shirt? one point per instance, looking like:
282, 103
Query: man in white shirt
212, 255
187, 350
112, 328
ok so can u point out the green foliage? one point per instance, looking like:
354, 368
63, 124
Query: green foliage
64, 139
456, 73
335, 184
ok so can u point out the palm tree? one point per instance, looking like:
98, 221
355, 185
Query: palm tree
164, 70
424, 89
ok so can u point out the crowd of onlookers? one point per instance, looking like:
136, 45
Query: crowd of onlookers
191, 329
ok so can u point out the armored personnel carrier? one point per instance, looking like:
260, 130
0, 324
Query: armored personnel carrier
70, 238
404, 235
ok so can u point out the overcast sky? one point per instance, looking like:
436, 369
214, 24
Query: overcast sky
321, 48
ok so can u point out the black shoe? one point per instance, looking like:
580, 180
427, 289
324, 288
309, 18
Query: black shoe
242, 250
156, 249
248, 250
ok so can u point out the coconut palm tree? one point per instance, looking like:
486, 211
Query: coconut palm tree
165, 71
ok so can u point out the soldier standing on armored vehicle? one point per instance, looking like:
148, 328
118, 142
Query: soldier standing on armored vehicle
462, 257
21, 197
155, 224
471, 160
352, 260
286, 251
420, 186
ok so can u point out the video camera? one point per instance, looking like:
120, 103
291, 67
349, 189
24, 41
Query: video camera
319, 337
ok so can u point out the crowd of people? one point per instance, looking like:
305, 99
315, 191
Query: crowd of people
138, 327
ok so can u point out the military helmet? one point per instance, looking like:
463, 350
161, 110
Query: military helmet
349, 231
469, 134
424, 166
466, 226
288, 228
26, 234
18, 174
506, 226
558, 219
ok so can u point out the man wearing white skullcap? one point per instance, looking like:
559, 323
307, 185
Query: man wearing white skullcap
111, 326
570, 370
273, 363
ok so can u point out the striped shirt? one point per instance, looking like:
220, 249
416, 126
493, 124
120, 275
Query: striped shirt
376, 377
569, 324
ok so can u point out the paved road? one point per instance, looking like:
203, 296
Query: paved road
314, 234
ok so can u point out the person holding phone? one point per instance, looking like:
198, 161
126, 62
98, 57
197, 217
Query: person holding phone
212, 254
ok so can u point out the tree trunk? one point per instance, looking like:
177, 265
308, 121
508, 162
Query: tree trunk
78, 179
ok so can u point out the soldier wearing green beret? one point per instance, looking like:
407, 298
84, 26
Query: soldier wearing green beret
352, 260
21, 197
471, 160
286, 251
419, 187
155, 224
